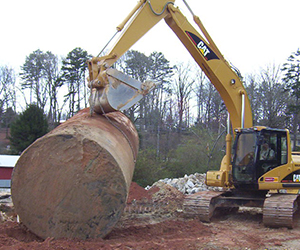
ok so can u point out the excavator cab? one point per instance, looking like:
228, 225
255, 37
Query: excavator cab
257, 151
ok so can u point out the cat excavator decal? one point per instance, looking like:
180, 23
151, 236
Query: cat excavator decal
203, 47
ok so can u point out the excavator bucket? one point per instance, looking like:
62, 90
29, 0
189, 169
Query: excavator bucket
121, 92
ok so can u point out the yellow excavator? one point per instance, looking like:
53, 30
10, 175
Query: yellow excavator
259, 170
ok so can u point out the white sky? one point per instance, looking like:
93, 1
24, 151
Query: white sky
250, 34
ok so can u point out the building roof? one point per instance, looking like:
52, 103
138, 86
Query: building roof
8, 160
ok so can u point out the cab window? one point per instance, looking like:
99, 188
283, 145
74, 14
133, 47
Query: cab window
283, 150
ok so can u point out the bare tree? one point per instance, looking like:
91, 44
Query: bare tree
40, 74
182, 89
201, 94
272, 97
7, 89
53, 83
252, 87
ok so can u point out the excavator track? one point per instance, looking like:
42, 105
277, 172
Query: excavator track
279, 209
200, 204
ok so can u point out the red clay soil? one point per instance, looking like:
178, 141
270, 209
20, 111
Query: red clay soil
164, 227
137, 192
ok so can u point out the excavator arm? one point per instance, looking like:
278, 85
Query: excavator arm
112, 90
202, 48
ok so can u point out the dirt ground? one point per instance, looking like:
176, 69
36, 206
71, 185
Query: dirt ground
153, 219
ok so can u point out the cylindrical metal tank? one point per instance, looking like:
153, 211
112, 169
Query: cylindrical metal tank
74, 181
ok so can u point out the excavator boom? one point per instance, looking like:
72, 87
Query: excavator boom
202, 48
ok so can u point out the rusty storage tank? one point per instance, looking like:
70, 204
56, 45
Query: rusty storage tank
74, 181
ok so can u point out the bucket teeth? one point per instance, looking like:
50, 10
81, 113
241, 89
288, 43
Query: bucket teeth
121, 93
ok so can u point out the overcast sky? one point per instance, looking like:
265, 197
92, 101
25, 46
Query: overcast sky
250, 34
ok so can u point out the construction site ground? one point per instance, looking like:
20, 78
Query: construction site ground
154, 219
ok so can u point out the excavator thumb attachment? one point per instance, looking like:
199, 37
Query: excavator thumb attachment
121, 92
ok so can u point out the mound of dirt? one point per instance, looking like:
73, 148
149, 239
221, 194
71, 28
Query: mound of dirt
161, 199
138, 193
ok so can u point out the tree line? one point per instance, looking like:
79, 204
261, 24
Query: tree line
181, 123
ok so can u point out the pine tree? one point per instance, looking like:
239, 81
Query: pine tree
74, 75
291, 78
28, 127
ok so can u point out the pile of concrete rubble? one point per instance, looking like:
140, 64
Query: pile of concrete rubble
189, 184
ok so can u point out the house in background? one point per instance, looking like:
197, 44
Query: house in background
7, 164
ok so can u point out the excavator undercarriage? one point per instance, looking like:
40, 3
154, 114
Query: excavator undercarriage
278, 209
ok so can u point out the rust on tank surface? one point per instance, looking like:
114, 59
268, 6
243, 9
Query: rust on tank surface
110, 122
74, 181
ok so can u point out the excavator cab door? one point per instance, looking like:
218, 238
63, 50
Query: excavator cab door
244, 160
